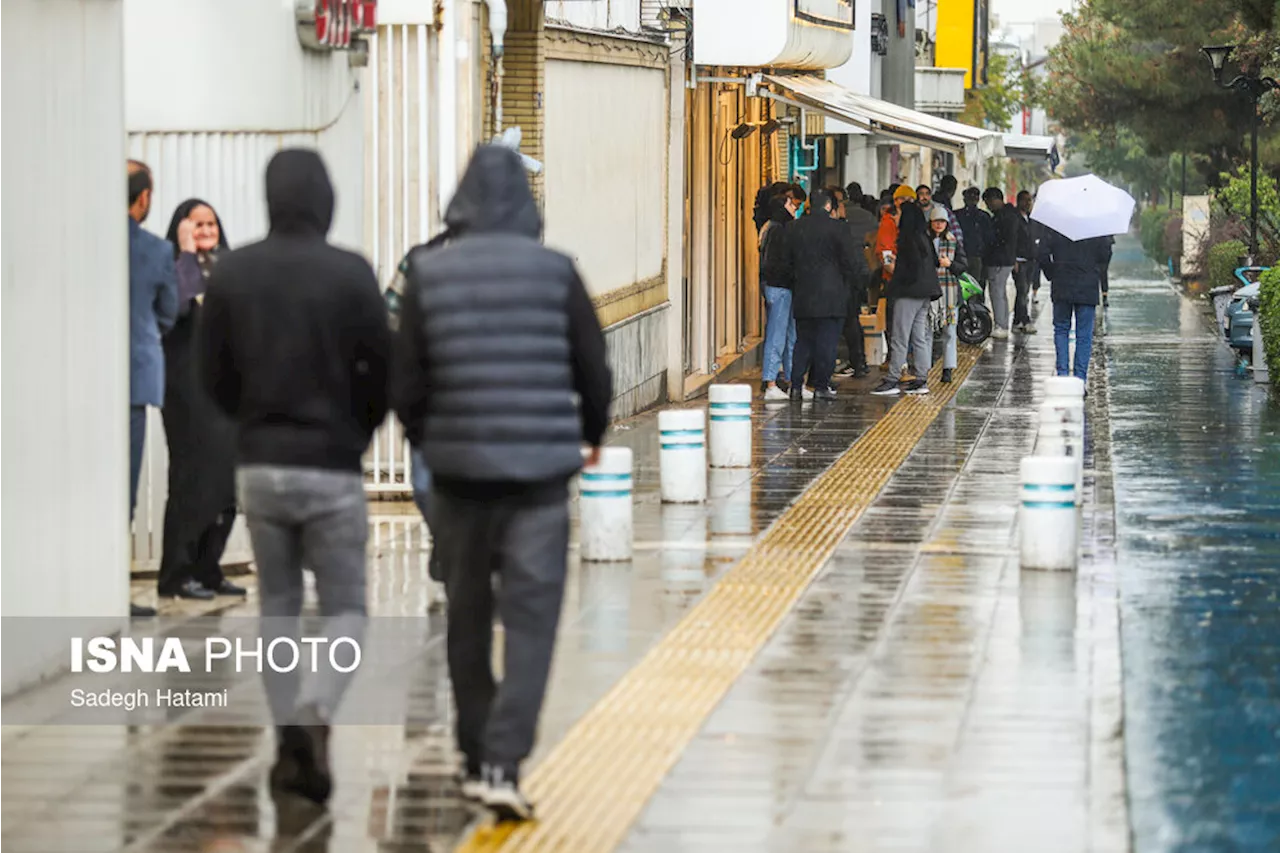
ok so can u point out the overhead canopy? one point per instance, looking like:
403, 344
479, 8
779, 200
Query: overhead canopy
891, 121
1028, 147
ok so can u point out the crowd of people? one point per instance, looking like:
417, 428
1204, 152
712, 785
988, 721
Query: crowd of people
827, 256
274, 364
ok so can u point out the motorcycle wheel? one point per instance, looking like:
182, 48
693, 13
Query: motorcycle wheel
972, 326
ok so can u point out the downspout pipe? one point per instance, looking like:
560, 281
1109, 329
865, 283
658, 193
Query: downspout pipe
497, 34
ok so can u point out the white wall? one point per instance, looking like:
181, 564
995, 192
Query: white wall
855, 75
213, 88
598, 15
65, 328
606, 148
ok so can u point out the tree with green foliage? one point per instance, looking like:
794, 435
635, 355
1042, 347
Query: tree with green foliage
1130, 73
995, 104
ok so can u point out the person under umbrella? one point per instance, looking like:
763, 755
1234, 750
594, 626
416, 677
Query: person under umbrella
201, 507
1073, 268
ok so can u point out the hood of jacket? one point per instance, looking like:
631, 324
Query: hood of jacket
494, 196
778, 211
299, 193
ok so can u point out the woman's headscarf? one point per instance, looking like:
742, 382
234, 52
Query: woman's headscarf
182, 212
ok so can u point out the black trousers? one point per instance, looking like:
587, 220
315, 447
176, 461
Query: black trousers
817, 340
853, 339
510, 554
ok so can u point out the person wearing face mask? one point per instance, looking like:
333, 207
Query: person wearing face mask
201, 507
775, 286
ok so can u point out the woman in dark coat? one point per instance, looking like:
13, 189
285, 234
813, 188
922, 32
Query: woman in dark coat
201, 508
914, 286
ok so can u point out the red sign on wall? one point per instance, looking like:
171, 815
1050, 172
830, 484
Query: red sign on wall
335, 22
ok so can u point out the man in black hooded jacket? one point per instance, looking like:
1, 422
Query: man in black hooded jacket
499, 376
293, 346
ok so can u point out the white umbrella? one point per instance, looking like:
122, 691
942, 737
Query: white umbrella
1080, 208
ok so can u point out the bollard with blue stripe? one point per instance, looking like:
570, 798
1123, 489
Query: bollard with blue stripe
605, 522
682, 455
729, 408
1048, 526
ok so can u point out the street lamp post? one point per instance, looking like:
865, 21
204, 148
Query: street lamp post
1255, 86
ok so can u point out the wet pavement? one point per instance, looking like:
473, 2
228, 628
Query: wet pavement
924, 694
1198, 502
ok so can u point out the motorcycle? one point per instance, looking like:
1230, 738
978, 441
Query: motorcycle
974, 322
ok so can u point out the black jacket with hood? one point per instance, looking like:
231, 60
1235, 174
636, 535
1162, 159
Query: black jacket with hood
294, 340
773, 247
1074, 267
825, 266
915, 274
497, 338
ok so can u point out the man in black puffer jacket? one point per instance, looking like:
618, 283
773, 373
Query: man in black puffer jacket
499, 376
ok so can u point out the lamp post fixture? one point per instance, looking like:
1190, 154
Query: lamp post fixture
1255, 86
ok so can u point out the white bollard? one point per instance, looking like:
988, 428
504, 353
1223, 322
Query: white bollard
1071, 387
682, 455
605, 507
1062, 434
730, 410
1048, 521
1260, 374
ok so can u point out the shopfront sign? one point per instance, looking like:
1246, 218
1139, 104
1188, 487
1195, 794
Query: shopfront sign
333, 24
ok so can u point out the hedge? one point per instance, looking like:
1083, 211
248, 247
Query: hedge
1269, 318
1223, 260
1151, 226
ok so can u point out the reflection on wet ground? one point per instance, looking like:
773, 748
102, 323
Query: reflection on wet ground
1197, 466
925, 694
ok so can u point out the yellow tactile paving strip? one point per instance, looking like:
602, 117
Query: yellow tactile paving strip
591, 788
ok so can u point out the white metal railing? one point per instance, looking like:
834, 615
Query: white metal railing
387, 467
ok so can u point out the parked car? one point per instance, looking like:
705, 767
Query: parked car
1237, 322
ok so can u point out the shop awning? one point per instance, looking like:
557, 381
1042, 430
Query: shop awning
882, 118
1028, 147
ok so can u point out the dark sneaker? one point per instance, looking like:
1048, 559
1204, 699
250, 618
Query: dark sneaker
189, 590
916, 387
782, 383
860, 372
302, 758
847, 370
946, 375
828, 394
140, 611
228, 588
796, 396
501, 795
887, 388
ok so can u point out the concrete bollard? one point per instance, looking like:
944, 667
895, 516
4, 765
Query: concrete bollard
1260, 374
1061, 433
682, 455
730, 410
1071, 387
1047, 519
605, 507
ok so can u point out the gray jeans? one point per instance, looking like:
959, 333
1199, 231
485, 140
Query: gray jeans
314, 519
509, 554
911, 328
998, 278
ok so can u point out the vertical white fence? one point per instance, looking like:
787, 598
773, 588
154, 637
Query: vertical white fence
400, 207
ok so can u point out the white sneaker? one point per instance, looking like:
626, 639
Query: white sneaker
806, 393
1000, 334
471, 787
501, 795
773, 392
